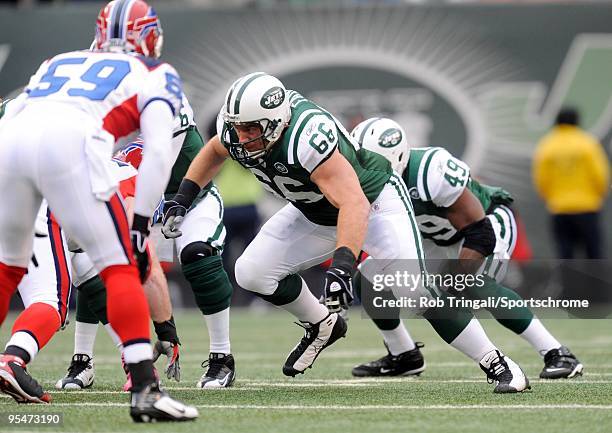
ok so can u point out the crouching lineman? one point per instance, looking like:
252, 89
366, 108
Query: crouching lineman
199, 252
458, 218
91, 303
340, 200
57, 144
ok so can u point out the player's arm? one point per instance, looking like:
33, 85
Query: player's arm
207, 162
468, 217
339, 183
202, 170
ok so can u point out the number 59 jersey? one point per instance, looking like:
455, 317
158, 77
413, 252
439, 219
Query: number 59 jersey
113, 88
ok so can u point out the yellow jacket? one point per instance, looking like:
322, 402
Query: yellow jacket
571, 171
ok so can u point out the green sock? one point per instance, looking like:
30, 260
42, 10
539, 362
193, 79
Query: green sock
83, 312
288, 290
392, 315
95, 293
448, 322
210, 284
516, 319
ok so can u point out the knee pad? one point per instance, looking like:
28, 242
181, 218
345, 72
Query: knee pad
210, 284
197, 251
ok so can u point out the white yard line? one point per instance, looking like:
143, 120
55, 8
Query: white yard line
367, 407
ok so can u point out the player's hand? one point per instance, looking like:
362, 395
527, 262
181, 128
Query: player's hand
138, 234
338, 289
171, 350
174, 213
176, 208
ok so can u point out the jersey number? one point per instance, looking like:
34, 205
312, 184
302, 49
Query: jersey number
105, 75
458, 175
321, 143
278, 186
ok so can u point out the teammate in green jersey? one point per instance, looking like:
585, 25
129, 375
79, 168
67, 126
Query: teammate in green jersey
458, 218
341, 199
199, 252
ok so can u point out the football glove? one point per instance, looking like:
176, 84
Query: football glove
138, 234
339, 281
176, 208
171, 350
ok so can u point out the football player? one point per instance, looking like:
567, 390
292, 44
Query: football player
199, 252
91, 302
45, 288
76, 110
458, 218
340, 200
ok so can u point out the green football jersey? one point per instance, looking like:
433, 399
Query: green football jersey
191, 142
435, 180
310, 139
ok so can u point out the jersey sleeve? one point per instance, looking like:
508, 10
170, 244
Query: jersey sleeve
442, 177
315, 141
127, 187
162, 84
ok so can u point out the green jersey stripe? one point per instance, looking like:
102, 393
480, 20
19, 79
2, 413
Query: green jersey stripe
425, 171
505, 210
365, 129
300, 124
243, 88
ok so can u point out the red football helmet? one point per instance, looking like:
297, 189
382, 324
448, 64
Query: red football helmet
129, 25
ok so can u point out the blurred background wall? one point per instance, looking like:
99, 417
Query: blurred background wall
484, 79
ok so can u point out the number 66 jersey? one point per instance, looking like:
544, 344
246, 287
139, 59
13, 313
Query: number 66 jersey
114, 88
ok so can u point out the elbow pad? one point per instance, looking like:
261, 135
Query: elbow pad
479, 236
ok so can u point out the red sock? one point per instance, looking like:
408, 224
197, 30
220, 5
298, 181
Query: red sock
127, 307
10, 276
39, 320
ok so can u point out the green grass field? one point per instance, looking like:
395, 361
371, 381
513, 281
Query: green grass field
451, 396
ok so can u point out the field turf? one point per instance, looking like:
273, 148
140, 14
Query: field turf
452, 395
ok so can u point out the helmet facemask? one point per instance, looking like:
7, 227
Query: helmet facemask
270, 132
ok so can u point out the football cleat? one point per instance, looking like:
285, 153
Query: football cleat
80, 373
171, 351
561, 364
221, 371
17, 382
316, 338
501, 370
407, 363
153, 404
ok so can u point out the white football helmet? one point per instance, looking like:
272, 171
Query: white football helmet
385, 137
260, 99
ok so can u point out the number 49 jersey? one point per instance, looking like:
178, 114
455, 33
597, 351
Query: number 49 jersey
435, 180
113, 88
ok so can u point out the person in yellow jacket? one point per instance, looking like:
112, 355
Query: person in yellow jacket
571, 173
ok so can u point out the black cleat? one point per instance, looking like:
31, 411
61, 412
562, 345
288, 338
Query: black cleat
152, 405
561, 364
221, 371
505, 373
316, 338
80, 373
407, 363
17, 382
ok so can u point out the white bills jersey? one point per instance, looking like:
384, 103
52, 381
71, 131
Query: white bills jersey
114, 88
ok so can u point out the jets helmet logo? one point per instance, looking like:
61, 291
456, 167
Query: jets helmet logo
273, 98
390, 138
